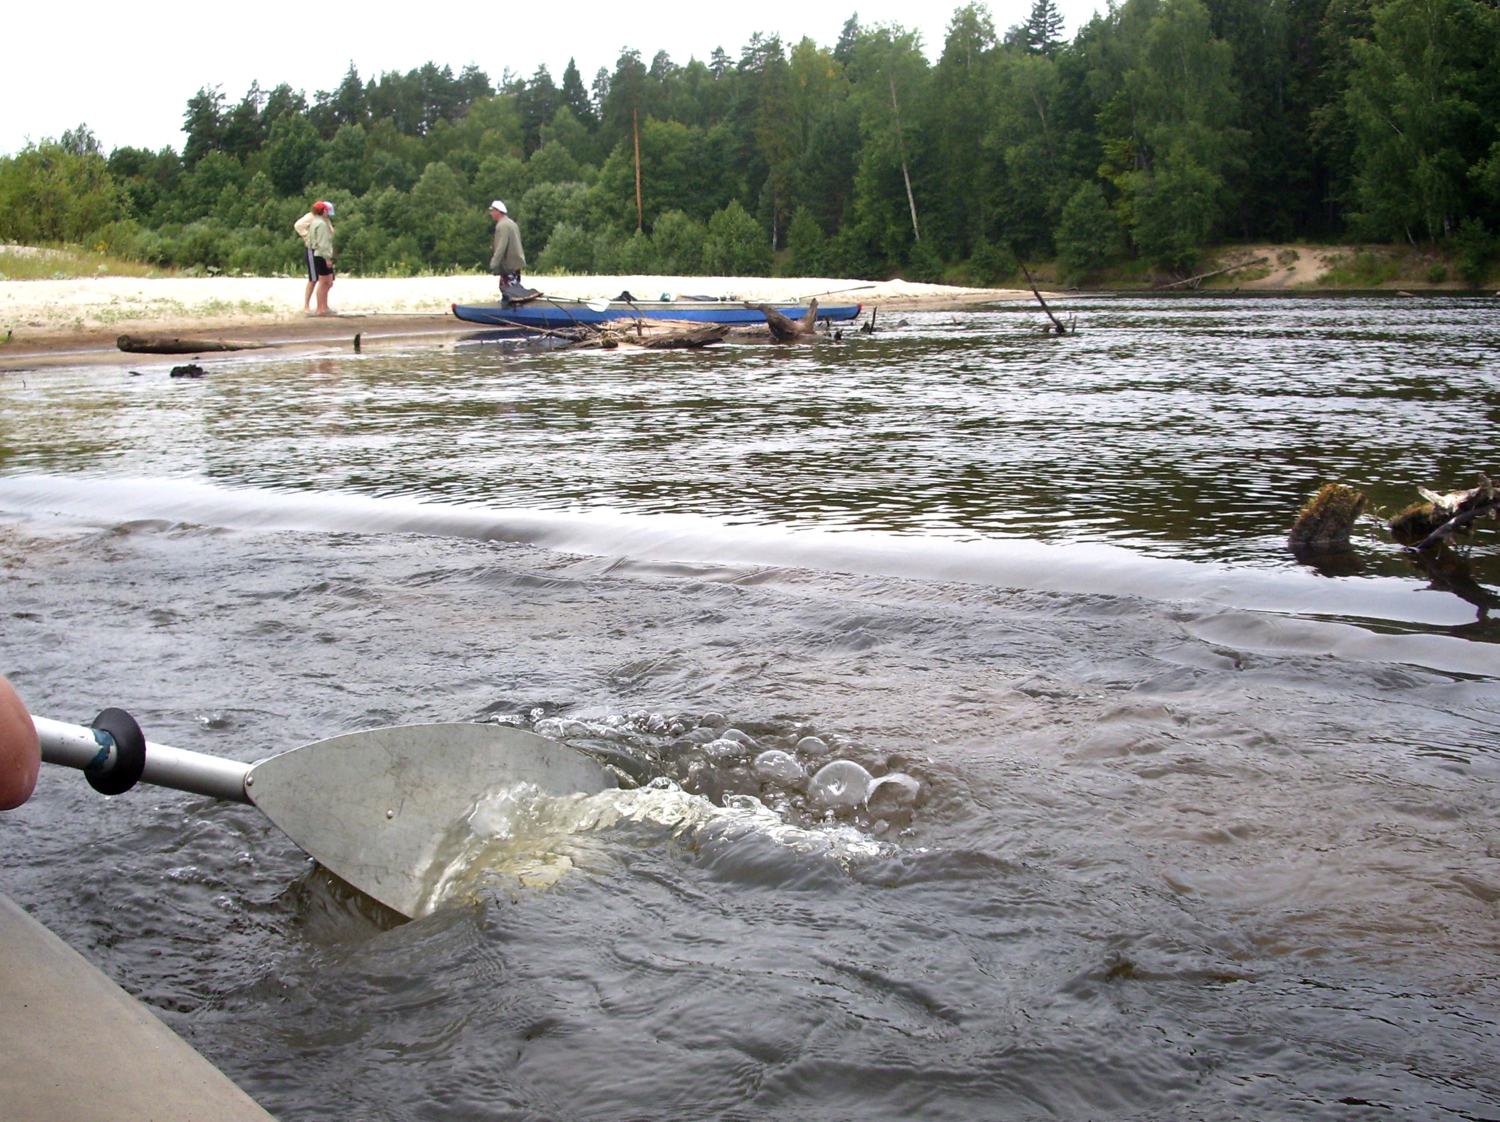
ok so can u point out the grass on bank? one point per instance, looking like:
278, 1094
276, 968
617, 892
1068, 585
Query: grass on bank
69, 262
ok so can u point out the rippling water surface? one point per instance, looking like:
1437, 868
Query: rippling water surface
1200, 832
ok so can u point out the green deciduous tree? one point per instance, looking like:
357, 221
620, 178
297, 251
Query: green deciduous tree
1088, 231
57, 191
736, 245
677, 242
1422, 98
292, 153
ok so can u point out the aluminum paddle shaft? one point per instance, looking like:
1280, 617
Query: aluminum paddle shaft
114, 756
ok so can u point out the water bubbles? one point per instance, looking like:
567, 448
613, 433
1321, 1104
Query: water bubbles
840, 785
724, 748
892, 793
802, 779
776, 766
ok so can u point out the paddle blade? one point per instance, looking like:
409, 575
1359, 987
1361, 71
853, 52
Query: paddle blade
381, 808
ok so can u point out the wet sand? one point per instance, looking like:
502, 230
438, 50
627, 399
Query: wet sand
71, 321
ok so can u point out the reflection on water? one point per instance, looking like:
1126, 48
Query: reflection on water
1193, 832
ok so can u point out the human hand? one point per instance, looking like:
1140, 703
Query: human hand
20, 751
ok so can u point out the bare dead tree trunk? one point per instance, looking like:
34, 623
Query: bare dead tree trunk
911, 200
640, 211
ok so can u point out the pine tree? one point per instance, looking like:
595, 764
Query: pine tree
843, 50
576, 98
1043, 28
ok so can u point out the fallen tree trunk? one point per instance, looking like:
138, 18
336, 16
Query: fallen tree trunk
1216, 273
1061, 330
697, 337
164, 345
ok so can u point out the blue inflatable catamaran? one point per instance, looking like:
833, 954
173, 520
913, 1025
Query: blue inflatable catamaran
553, 315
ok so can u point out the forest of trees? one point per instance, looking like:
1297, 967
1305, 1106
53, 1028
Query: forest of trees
1161, 127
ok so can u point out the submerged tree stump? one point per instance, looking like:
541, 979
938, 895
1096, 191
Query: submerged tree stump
1326, 521
784, 329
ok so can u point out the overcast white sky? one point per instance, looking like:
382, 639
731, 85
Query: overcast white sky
127, 70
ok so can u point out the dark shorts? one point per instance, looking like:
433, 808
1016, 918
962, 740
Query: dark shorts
317, 267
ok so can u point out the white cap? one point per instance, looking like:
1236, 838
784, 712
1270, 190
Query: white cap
498, 205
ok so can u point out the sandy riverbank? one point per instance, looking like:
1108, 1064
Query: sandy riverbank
80, 311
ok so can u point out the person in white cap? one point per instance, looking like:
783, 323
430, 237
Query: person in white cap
320, 255
508, 258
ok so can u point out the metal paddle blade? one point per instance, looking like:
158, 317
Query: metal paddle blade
376, 807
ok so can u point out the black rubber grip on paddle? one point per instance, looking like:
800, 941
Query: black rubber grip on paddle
130, 753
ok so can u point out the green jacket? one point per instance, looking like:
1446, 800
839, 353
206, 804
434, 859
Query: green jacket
320, 237
508, 256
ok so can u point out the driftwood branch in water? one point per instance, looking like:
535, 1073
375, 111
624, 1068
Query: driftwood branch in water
693, 337
167, 345
1061, 330
656, 335
784, 329
1446, 515
1216, 273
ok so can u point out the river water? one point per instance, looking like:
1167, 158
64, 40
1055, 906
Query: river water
1196, 832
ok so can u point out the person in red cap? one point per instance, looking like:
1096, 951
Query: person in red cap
20, 751
320, 255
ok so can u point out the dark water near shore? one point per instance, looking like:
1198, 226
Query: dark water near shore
1202, 833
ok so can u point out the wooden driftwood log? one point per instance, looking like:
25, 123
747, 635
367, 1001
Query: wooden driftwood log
656, 335
784, 329
1424, 525
170, 345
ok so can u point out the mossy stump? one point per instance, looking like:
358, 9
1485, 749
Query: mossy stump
1326, 521
1416, 522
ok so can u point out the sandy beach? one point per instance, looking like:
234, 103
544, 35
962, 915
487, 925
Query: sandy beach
66, 319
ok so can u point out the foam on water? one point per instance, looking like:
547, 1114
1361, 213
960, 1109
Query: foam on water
1086, 568
517, 836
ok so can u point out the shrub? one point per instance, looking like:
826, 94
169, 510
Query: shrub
1476, 249
736, 246
926, 264
677, 241
808, 245
570, 249
992, 263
